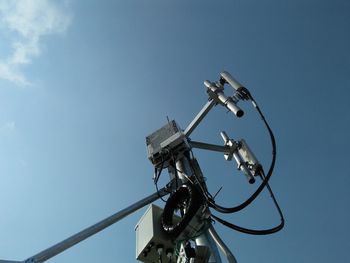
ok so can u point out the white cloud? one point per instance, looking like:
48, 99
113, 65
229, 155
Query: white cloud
25, 23
10, 73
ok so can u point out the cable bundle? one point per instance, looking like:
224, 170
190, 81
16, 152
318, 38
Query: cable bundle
196, 190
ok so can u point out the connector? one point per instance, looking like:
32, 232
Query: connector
169, 254
160, 249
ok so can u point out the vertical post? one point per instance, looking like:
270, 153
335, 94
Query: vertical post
204, 239
230, 257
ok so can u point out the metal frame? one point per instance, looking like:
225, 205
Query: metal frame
230, 149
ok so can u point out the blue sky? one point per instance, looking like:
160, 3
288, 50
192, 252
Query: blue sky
82, 83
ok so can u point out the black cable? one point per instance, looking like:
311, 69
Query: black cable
192, 200
185, 175
249, 231
210, 200
262, 176
237, 208
157, 173
202, 187
253, 231
174, 166
197, 183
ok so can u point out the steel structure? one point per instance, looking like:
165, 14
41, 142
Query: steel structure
188, 236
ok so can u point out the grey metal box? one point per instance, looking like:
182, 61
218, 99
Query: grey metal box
149, 234
154, 140
170, 135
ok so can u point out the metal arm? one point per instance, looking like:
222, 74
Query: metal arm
204, 111
217, 96
211, 147
84, 234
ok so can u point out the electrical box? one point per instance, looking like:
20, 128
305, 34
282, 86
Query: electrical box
149, 234
163, 141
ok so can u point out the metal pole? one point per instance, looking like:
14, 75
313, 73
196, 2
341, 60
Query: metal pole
230, 257
204, 111
211, 147
204, 239
84, 234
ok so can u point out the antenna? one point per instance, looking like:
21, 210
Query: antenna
162, 234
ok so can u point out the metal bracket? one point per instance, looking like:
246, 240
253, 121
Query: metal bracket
234, 152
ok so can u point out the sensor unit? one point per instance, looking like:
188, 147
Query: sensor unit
166, 143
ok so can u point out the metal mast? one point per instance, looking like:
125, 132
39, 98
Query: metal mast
182, 231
